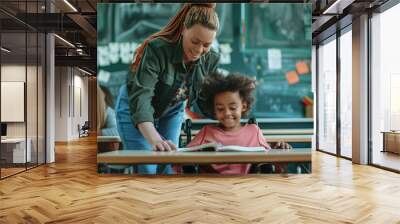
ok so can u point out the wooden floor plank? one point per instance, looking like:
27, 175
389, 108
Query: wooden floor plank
70, 191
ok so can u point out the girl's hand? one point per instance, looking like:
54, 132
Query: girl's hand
163, 145
282, 145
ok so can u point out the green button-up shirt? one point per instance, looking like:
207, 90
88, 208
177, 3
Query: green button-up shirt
154, 85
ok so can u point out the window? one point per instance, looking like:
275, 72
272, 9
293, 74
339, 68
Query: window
385, 84
327, 96
22, 66
346, 94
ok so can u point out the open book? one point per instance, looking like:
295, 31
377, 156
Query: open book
210, 147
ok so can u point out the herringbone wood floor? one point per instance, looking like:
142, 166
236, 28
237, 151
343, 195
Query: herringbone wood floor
70, 191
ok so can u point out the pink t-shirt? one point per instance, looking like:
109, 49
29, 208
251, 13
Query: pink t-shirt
249, 135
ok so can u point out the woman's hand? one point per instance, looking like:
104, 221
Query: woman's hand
163, 145
282, 145
154, 138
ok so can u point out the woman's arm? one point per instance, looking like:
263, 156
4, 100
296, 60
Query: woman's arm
141, 86
157, 143
141, 91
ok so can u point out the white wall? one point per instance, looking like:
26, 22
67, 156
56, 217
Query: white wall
70, 83
12, 73
33, 127
61, 103
82, 83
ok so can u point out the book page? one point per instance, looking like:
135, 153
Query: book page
203, 147
235, 148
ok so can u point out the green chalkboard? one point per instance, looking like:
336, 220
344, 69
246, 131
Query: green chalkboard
274, 38
277, 25
262, 40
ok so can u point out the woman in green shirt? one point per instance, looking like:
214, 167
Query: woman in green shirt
168, 68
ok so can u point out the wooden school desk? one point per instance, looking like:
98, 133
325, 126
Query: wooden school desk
151, 157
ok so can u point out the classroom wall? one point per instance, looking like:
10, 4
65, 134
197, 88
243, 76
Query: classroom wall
71, 102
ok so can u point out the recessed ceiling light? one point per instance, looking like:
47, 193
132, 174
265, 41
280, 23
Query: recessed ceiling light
5, 50
64, 40
337, 7
70, 5
84, 71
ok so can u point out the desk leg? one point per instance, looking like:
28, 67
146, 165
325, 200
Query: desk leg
384, 143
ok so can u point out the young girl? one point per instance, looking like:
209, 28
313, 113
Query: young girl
228, 98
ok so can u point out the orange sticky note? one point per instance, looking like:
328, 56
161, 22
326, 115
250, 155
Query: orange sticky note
302, 67
292, 77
